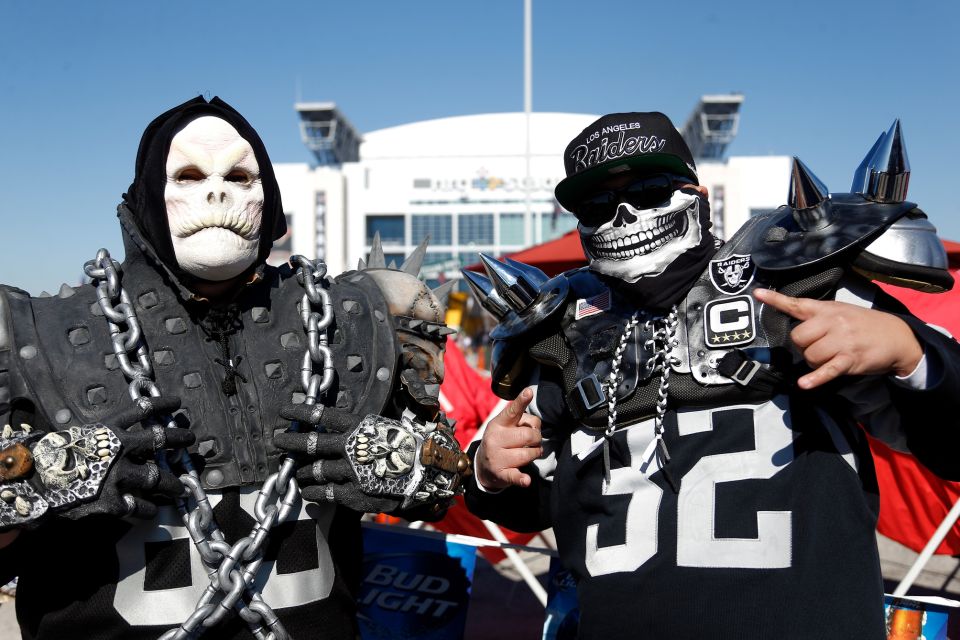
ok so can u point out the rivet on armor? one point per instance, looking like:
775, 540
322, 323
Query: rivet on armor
63, 416
299, 398
273, 369
379, 315
383, 374
164, 357
260, 314
110, 362
78, 336
96, 395
345, 399
208, 448
149, 300
96, 310
175, 325
192, 380
214, 477
66, 291
27, 352
354, 363
290, 340
351, 306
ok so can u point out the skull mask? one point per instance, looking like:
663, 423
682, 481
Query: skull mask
638, 243
214, 199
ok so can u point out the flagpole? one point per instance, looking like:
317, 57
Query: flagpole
952, 516
528, 103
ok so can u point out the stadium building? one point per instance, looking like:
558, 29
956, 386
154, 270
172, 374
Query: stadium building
470, 184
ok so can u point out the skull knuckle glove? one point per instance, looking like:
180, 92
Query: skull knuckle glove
413, 461
74, 472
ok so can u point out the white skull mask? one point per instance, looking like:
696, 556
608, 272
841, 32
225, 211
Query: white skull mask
643, 242
214, 200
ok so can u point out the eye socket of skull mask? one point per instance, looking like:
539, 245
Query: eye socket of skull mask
643, 193
214, 199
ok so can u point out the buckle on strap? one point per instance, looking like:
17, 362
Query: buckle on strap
745, 372
591, 392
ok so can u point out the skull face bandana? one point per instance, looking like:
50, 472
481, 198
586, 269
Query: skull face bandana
652, 254
214, 200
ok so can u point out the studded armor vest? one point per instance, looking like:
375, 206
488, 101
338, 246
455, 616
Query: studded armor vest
232, 371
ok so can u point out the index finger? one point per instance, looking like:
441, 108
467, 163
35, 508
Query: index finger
513, 411
799, 308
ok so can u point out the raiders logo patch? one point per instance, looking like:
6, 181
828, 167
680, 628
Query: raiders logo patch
732, 275
729, 322
592, 306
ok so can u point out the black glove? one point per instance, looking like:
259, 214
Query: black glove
93, 469
375, 464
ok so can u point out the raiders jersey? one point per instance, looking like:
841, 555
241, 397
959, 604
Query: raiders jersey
103, 578
765, 528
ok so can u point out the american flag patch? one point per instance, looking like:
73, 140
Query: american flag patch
592, 306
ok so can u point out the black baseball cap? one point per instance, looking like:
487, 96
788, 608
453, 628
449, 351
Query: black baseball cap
643, 143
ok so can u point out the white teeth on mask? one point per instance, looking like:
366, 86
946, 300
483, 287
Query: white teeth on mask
659, 231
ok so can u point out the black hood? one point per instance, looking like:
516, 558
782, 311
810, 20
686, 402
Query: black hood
144, 198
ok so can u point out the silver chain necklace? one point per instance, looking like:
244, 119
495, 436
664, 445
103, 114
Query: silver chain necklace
662, 340
231, 569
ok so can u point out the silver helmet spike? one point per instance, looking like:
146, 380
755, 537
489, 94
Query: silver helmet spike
806, 189
535, 275
512, 284
415, 260
806, 197
861, 177
483, 291
361, 264
376, 259
888, 171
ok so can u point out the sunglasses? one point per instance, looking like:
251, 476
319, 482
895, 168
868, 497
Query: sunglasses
640, 194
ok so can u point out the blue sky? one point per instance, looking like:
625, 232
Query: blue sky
80, 80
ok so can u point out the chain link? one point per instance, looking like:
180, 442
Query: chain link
662, 341
231, 569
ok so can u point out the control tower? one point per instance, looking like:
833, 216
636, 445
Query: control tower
327, 133
712, 125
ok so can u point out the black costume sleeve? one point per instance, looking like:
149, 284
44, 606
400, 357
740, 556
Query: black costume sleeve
929, 415
918, 421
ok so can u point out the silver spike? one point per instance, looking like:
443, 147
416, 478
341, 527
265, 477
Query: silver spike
483, 291
442, 292
393, 265
535, 275
806, 189
415, 260
889, 168
44, 294
65, 291
376, 260
861, 177
512, 284
446, 331
361, 264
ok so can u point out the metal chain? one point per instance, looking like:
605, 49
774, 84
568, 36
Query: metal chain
231, 569
662, 340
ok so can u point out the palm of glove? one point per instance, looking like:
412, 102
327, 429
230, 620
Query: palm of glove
374, 464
